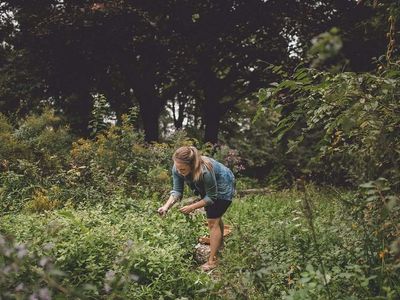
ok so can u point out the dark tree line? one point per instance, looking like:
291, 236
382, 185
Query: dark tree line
158, 53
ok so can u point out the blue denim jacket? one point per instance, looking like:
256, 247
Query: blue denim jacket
219, 183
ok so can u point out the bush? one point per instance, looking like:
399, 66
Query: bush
338, 128
10, 147
125, 250
45, 134
24, 273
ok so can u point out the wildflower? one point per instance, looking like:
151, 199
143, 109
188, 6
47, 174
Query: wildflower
382, 254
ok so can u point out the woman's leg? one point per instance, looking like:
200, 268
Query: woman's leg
216, 235
216, 228
221, 225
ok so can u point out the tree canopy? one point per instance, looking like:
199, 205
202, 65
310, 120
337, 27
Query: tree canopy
203, 53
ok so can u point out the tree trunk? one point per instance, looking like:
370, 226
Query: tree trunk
212, 118
78, 108
212, 109
150, 109
178, 120
150, 104
212, 112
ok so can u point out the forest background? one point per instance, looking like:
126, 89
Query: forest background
299, 96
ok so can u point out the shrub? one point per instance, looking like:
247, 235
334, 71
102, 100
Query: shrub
123, 251
24, 273
230, 158
41, 203
338, 128
45, 133
10, 147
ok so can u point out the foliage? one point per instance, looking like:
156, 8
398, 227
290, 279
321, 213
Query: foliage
42, 168
33, 153
25, 273
41, 203
123, 251
230, 158
343, 128
110, 48
100, 114
10, 147
272, 254
122, 248
326, 51
376, 210
95, 202
250, 133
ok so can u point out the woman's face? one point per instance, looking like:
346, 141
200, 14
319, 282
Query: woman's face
182, 168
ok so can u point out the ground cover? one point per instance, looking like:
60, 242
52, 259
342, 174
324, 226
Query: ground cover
125, 249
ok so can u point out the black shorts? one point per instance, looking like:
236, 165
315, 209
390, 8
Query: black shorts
217, 209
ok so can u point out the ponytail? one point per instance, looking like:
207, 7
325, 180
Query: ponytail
191, 156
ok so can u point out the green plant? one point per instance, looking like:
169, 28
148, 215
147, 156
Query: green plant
338, 128
26, 274
376, 209
41, 203
100, 115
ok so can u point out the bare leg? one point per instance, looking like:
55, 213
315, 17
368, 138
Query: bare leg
215, 240
221, 225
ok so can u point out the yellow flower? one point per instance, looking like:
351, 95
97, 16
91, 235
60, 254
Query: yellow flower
382, 253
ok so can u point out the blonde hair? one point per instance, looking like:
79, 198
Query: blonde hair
191, 156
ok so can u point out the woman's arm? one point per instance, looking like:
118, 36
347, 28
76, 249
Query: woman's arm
189, 208
210, 187
170, 202
176, 193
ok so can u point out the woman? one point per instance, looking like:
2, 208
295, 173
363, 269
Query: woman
213, 182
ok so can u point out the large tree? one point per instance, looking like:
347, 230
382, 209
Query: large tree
81, 47
152, 52
227, 46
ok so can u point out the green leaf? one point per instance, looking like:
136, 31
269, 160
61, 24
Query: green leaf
367, 185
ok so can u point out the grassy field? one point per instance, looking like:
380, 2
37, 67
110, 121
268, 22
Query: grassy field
278, 249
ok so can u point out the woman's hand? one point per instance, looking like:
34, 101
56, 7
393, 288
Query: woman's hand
186, 209
163, 210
